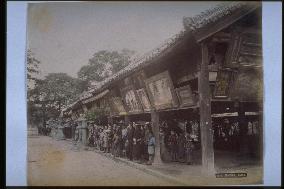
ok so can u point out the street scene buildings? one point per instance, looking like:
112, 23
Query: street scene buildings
188, 112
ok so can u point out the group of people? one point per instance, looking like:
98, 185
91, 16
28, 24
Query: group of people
133, 141
180, 140
227, 134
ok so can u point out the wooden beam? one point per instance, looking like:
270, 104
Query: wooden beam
156, 131
205, 114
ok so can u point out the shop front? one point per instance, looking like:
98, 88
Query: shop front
205, 83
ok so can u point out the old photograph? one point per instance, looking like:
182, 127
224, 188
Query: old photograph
144, 93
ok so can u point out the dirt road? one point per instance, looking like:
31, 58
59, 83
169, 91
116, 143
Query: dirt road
54, 163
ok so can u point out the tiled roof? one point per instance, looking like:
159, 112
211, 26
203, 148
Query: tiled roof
214, 14
139, 61
191, 25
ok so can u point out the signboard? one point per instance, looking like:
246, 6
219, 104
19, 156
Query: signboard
250, 52
118, 105
245, 49
185, 96
144, 99
130, 99
161, 91
248, 85
223, 82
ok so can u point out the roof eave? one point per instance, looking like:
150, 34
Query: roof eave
209, 30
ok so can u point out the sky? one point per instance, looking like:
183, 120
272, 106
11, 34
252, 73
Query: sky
65, 35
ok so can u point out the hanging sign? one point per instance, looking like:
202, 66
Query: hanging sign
223, 83
185, 96
118, 105
130, 100
161, 91
144, 99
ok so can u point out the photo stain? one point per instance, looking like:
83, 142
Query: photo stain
40, 17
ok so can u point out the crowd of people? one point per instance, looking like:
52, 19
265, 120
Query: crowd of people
179, 140
133, 141
227, 134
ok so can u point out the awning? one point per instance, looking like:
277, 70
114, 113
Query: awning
100, 95
233, 114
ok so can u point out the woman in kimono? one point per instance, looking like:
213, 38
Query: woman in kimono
151, 148
105, 139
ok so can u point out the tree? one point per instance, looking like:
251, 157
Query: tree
53, 93
32, 68
103, 64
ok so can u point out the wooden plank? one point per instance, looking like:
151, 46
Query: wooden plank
205, 114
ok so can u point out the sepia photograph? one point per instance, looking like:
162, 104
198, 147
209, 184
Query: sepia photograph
144, 93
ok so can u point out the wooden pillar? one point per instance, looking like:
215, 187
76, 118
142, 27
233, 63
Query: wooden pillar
156, 130
260, 124
243, 129
205, 114
84, 132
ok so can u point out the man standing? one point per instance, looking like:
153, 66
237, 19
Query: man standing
124, 138
130, 133
173, 145
137, 142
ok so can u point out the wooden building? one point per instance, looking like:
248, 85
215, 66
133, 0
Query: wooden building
212, 68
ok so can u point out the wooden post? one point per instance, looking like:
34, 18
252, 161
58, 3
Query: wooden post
156, 130
243, 129
260, 124
205, 114
84, 132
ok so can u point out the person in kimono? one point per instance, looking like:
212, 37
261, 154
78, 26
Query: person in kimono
189, 148
137, 142
181, 144
101, 138
151, 148
129, 142
105, 139
173, 144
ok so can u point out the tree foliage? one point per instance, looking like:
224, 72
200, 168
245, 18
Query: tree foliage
32, 68
103, 64
53, 93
